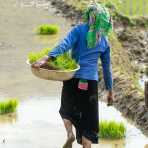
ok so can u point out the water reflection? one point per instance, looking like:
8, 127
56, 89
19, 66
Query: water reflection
40, 115
134, 137
46, 39
112, 144
10, 118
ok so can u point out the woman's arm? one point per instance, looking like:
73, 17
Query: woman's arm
107, 74
66, 44
107, 68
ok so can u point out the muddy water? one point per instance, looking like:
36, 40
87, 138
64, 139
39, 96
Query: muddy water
18, 20
37, 122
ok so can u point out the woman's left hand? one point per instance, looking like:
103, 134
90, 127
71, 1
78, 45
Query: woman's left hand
110, 98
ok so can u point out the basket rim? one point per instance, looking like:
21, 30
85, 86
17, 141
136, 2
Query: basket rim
78, 67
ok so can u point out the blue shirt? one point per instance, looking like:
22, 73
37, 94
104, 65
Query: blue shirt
86, 57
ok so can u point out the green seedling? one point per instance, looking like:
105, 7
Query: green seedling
111, 130
47, 29
8, 106
62, 62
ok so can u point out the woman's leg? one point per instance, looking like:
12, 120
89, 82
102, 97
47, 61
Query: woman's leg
88, 104
67, 110
70, 135
86, 142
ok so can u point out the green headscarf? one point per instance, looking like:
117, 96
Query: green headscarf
99, 21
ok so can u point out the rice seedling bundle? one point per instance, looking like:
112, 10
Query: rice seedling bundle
62, 62
111, 130
46, 29
8, 106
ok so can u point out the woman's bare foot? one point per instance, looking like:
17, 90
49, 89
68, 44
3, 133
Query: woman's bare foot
70, 140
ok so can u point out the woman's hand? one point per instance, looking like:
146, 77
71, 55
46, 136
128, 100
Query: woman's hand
110, 98
44, 61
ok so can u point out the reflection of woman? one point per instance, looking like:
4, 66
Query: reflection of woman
79, 100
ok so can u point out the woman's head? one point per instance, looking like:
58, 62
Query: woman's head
98, 18
99, 21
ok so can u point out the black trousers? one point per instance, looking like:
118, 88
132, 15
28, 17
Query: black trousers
81, 108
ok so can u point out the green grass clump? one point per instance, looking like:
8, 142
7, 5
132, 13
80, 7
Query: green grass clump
62, 62
111, 130
129, 7
132, 8
46, 29
8, 106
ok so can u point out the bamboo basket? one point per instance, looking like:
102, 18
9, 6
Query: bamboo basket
56, 75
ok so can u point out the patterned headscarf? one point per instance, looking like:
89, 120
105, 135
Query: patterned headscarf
99, 21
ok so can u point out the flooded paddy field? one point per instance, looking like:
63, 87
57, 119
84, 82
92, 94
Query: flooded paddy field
37, 122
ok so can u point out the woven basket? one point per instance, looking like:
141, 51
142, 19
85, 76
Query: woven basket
56, 75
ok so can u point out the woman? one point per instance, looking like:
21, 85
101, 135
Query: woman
79, 99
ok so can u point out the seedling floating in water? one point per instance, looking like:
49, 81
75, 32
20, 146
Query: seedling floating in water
46, 29
62, 62
8, 106
111, 130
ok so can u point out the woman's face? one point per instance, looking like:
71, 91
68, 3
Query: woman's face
92, 17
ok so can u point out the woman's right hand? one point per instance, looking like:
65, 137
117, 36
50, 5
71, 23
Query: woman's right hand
44, 61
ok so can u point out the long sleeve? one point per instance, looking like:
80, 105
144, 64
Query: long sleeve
107, 68
66, 44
